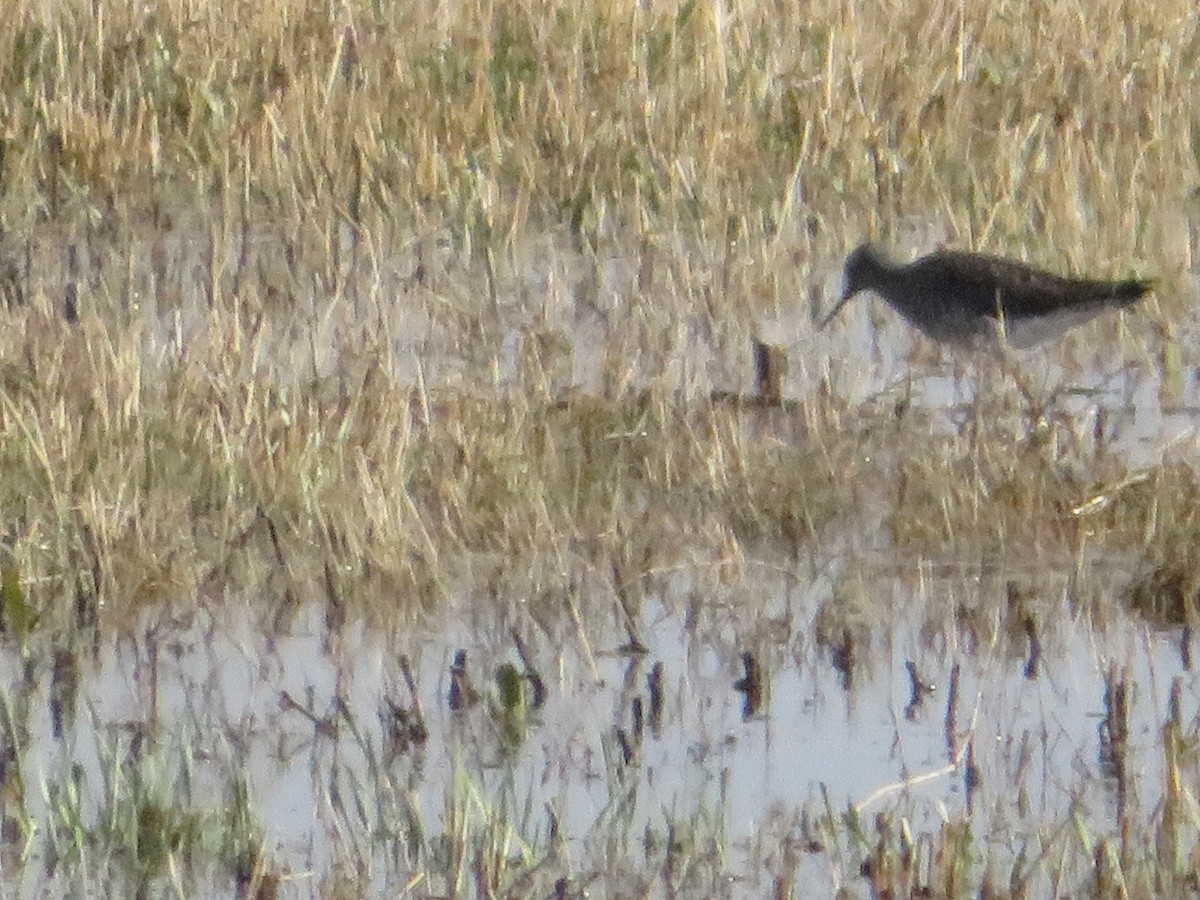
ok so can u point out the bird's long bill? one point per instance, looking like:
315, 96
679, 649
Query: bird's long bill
833, 312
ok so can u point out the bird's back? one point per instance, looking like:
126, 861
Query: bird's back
988, 285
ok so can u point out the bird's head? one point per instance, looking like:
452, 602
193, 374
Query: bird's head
864, 266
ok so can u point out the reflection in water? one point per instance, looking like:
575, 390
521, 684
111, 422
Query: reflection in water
315, 731
750, 686
462, 690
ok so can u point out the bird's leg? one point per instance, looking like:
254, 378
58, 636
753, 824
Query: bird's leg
1035, 405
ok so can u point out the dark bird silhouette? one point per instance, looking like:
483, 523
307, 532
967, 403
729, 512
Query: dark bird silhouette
964, 298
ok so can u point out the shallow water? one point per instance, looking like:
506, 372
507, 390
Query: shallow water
213, 698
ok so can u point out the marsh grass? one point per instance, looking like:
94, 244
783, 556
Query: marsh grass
377, 304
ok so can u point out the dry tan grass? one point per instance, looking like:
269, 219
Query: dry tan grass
300, 240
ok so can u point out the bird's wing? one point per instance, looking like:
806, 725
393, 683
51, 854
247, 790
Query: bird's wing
1020, 289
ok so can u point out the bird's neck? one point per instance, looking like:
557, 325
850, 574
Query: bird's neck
881, 274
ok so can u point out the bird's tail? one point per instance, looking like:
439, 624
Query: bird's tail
1132, 289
